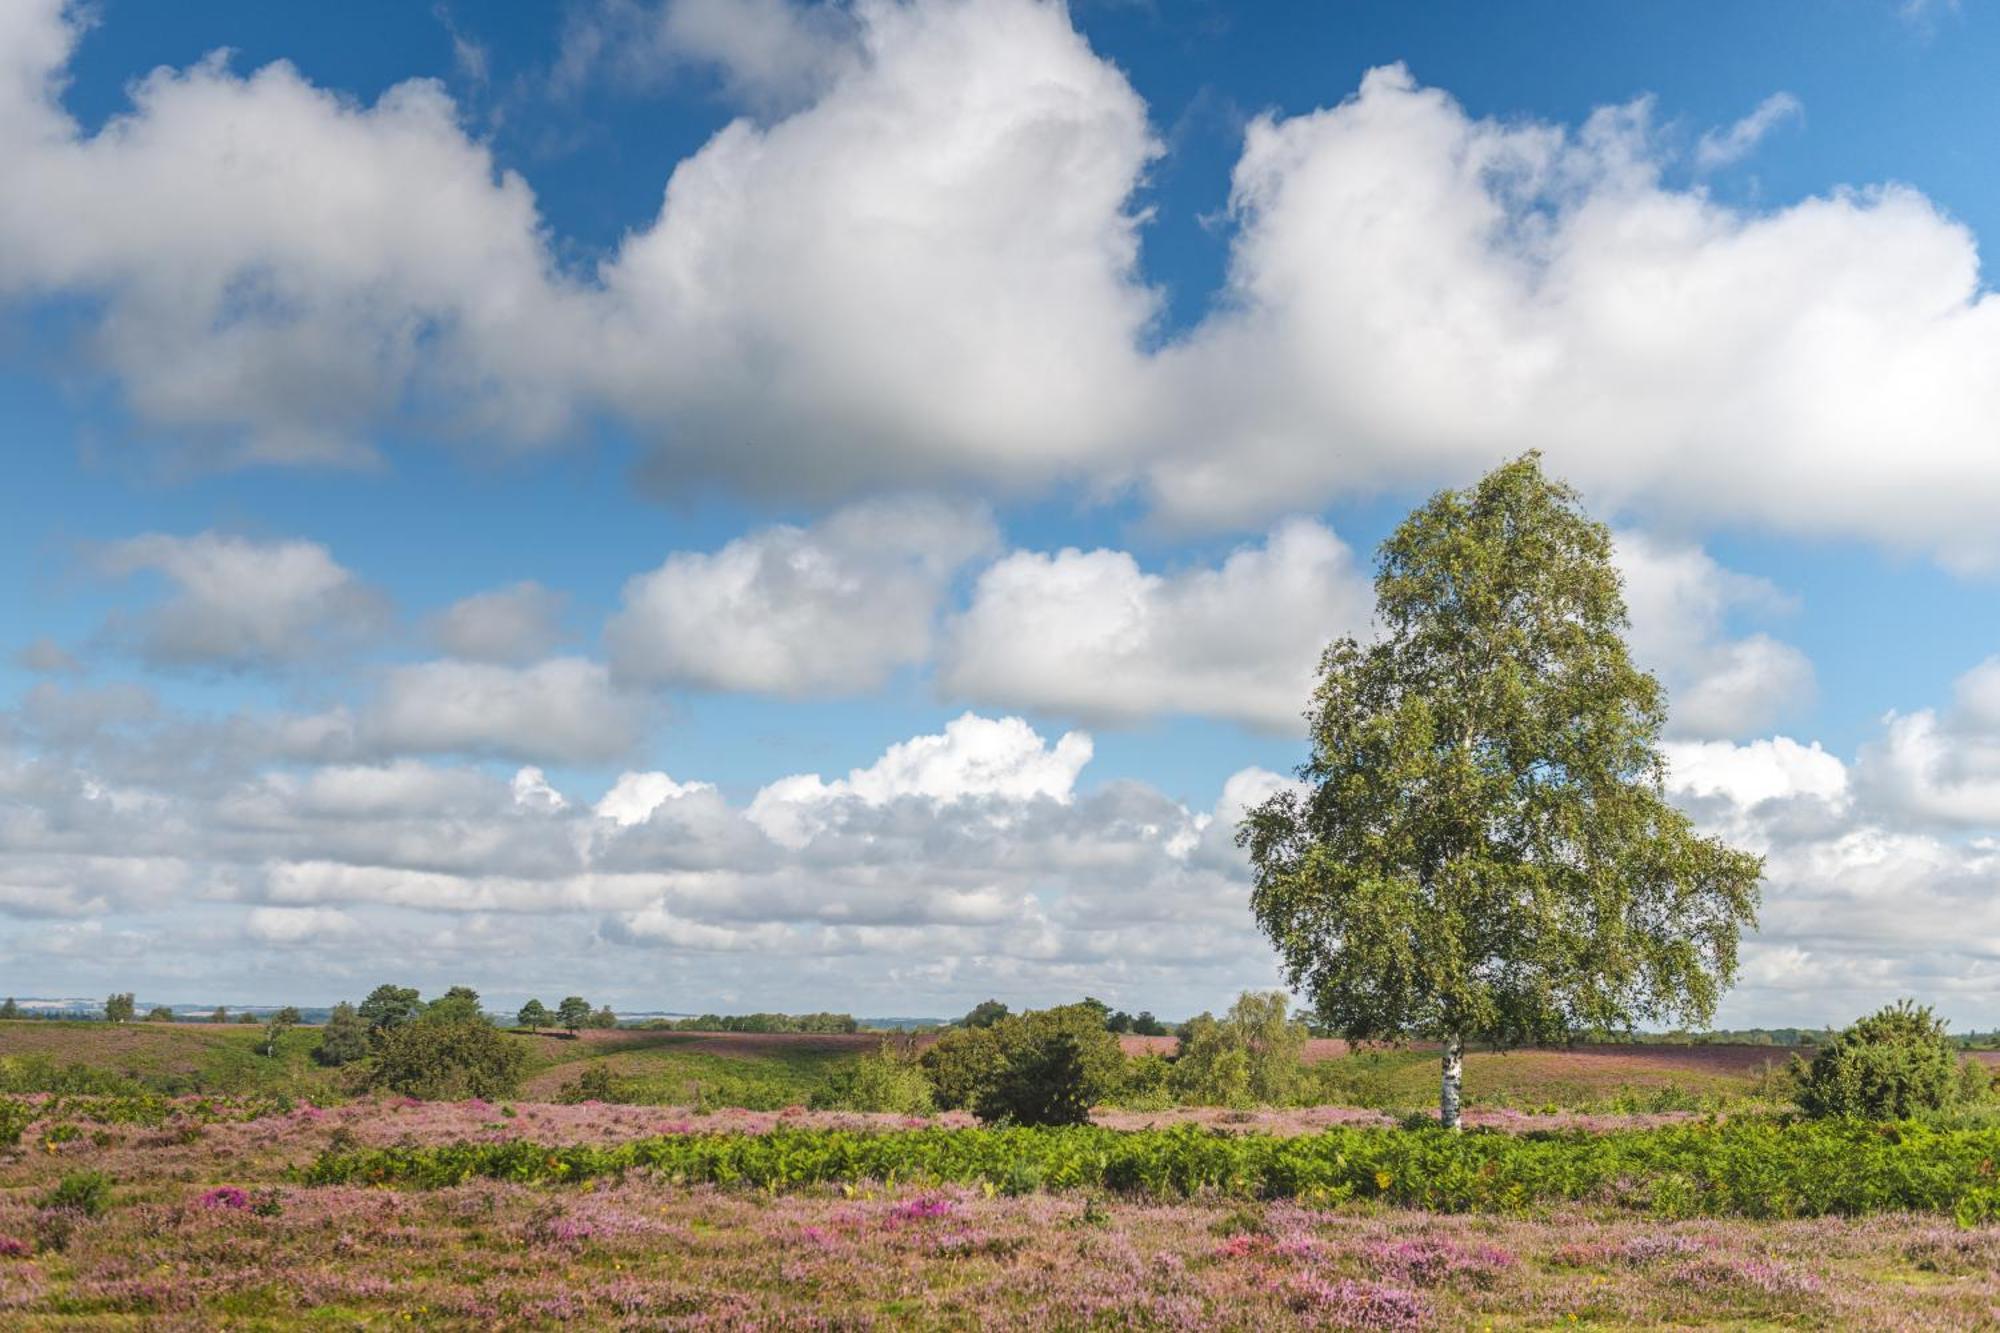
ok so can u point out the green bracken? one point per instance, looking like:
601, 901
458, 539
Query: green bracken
1758, 1168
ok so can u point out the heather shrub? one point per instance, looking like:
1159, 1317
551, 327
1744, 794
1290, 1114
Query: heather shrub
1891, 1065
442, 1061
887, 1080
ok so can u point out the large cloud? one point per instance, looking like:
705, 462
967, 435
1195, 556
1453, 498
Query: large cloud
924, 270
1090, 634
785, 610
1415, 292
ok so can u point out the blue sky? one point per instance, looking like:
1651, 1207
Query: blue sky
994, 373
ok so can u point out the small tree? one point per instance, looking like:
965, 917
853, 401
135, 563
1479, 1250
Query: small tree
1252, 1056
221, 1015
10, 1009
572, 1013
246, 1018
1891, 1065
277, 1026
159, 1013
1484, 849
460, 1004
344, 1039
1145, 1025
533, 1016
389, 1007
984, 1014
118, 1008
604, 1018
1119, 1023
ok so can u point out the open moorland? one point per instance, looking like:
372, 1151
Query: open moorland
175, 1176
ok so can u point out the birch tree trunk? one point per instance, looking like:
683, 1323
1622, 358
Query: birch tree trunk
1454, 1071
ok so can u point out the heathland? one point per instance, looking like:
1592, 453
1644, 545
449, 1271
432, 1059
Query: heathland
177, 1175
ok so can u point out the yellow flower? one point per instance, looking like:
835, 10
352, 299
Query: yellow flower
1383, 1180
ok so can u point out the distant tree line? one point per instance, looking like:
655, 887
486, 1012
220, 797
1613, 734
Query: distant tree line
820, 1023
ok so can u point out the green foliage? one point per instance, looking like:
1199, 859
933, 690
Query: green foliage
984, 1014
1147, 1084
1251, 1056
118, 1008
887, 1080
221, 1015
277, 1026
604, 1018
1145, 1025
446, 1061
159, 1013
460, 1004
1053, 1066
87, 1193
389, 1007
961, 1062
1895, 1063
1759, 1168
15, 1116
344, 1039
1046, 1067
534, 1016
592, 1084
10, 1009
573, 1012
1484, 849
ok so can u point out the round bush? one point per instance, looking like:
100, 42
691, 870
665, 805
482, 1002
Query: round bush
1891, 1065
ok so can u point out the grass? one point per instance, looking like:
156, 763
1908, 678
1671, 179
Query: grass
171, 1058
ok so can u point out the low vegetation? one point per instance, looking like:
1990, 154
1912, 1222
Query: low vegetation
1760, 1168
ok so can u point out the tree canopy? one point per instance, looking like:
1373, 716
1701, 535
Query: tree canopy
1482, 847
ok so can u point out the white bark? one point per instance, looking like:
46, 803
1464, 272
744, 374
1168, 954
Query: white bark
1454, 1077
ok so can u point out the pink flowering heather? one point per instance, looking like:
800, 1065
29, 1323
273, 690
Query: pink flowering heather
1346, 1303
225, 1196
1427, 1261
13, 1247
920, 1208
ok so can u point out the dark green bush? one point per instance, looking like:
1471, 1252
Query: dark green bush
344, 1039
1891, 1065
447, 1061
1046, 1067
